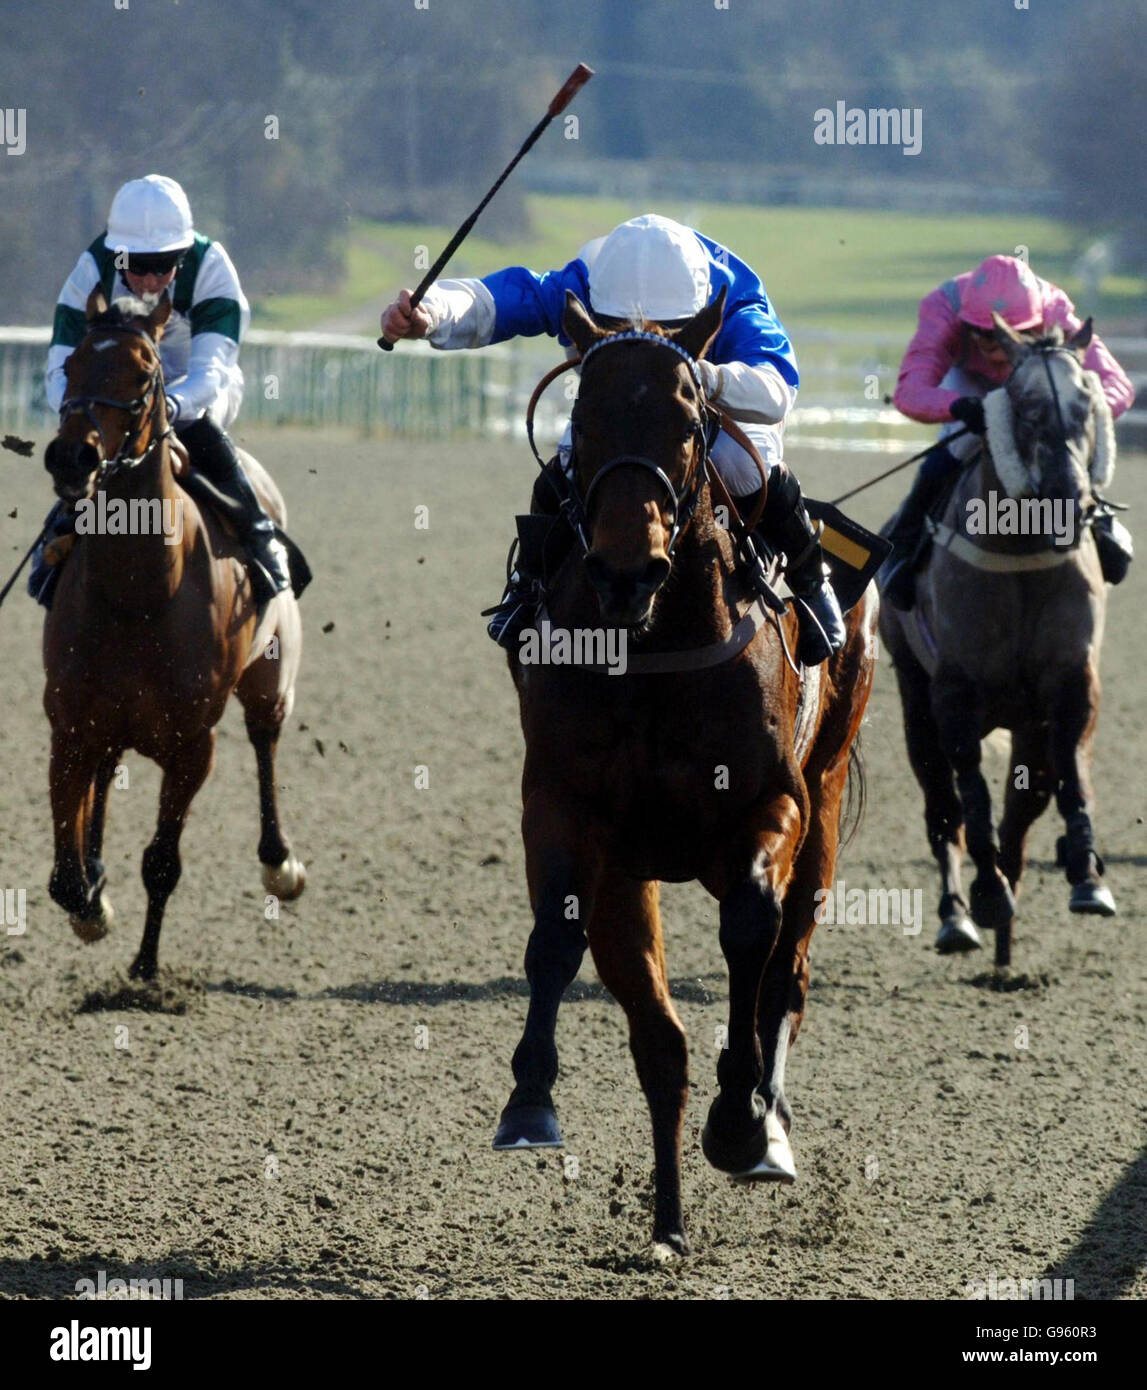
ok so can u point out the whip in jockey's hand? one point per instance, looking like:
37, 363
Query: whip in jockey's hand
654, 269
151, 248
953, 361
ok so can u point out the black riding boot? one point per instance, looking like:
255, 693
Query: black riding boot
786, 527
907, 535
544, 541
213, 454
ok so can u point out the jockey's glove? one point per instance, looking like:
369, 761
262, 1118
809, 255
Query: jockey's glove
969, 410
172, 410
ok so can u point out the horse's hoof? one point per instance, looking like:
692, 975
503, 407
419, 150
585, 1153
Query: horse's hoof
143, 970
528, 1127
777, 1164
1095, 898
286, 881
993, 904
95, 926
957, 934
743, 1152
669, 1246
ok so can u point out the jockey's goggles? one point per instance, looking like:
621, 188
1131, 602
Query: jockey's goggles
154, 262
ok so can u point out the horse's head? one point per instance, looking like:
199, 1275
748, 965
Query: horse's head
113, 412
1060, 421
639, 433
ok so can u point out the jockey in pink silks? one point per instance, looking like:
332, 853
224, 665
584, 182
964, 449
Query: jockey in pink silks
953, 361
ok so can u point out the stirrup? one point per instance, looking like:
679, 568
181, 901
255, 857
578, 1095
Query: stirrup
823, 633
267, 567
751, 564
513, 612
898, 582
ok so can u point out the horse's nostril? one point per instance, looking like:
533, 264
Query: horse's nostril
656, 573
595, 568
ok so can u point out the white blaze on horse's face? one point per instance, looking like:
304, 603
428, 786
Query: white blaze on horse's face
1053, 415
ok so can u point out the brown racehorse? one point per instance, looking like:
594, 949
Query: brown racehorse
635, 778
146, 639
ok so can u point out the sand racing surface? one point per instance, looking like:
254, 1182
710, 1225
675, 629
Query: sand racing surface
306, 1108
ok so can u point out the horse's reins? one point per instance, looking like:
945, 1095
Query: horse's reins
122, 459
994, 561
135, 408
575, 508
1045, 352
888, 472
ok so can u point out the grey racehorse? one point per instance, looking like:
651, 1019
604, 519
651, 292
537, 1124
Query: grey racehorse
1006, 634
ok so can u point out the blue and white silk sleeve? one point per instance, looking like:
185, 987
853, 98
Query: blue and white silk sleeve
527, 303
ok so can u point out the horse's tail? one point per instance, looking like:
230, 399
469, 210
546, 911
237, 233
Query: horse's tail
855, 801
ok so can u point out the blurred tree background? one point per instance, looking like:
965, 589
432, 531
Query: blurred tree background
394, 112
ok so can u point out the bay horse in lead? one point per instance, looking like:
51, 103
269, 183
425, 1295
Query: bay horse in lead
729, 771
146, 640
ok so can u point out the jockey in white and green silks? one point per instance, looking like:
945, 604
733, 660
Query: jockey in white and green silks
151, 248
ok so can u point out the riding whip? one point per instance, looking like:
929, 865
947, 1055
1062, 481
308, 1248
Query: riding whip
4, 592
576, 80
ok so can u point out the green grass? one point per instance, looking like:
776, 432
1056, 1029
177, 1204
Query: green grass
824, 268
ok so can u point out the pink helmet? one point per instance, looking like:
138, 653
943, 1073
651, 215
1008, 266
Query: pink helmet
1006, 285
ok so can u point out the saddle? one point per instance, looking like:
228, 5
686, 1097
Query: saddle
227, 509
47, 564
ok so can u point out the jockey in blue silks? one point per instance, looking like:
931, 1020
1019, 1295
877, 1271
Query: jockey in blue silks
655, 269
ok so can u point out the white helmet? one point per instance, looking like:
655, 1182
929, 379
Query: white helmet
150, 215
649, 267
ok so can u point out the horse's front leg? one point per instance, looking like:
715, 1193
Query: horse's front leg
71, 774
625, 937
943, 814
562, 869
94, 846
735, 1138
958, 706
1074, 709
184, 772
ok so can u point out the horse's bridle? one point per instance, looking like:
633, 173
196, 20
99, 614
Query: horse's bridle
576, 508
143, 411
1046, 352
